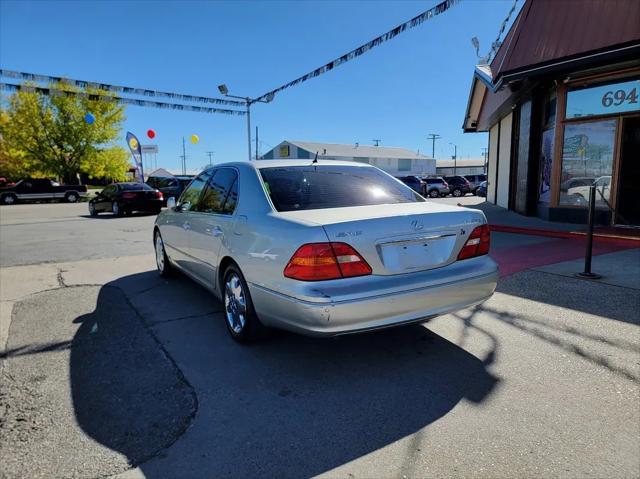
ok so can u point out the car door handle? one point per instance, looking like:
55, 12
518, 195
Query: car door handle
214, 231
186, 225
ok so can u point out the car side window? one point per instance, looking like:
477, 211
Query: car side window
232, 199
215, 195
191, 196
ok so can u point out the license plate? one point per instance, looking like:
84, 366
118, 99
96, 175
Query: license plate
416, 254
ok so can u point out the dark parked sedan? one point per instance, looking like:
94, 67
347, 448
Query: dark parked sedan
169, 186
482, 189
458, 185
125, 198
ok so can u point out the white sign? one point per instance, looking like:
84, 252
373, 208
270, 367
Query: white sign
149, 148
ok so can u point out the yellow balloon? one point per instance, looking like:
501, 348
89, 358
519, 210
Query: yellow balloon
195, 139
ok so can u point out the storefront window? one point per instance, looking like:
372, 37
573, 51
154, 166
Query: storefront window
587, 158
546, 153
546, 165
612, 98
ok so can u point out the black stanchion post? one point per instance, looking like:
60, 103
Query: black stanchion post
588, 254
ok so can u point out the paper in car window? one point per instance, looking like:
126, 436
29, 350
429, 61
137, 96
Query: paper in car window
266, 187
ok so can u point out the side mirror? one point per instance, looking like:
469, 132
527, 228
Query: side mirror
171, 202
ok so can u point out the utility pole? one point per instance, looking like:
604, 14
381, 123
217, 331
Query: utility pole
376, 142
210, 155
455, 158
433, 137
256, 143
184, 158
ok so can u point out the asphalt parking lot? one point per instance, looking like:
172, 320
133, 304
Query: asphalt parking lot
109, 370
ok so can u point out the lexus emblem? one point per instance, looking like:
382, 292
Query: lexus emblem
417, 225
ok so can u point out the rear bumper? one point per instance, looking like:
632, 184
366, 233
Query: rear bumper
413, 303
143, 205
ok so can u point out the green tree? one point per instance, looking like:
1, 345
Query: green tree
47, 135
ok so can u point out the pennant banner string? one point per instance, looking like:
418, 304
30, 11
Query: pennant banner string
414, 22
117, 89
126, 101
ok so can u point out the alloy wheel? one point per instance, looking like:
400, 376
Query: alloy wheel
235, 303
159, 253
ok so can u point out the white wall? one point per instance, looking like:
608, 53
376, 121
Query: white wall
504, 162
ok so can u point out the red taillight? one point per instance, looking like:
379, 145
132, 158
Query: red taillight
477, 244
323, 261
159, 195
128, 196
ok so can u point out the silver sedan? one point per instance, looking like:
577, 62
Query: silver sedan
323, 248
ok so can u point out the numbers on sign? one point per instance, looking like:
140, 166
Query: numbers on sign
619, 97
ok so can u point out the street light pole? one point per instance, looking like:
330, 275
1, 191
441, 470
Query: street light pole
455, 158
248, 102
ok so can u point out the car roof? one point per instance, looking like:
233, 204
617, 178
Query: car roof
260, 164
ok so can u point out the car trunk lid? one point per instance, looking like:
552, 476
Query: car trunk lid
397, 238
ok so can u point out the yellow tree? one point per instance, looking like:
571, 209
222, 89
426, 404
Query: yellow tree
47, 135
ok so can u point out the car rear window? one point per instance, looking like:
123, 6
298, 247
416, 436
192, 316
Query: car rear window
294, 188
134, 186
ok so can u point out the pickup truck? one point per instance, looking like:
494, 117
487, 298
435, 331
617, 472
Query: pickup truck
40, 189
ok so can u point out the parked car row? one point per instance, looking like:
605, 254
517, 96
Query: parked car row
438, 186
324, 249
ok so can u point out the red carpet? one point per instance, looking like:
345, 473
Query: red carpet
519, 258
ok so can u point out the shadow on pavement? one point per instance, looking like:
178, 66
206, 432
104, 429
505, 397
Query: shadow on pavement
613, 302
287, 407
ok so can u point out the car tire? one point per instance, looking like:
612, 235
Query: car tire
434, 193
240, 317
162, 260
116, 209
71, 197
457, 192
92, 209
9, 199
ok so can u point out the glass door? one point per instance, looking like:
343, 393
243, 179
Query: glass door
628, 204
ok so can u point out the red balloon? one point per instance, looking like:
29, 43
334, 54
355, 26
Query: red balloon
151, 133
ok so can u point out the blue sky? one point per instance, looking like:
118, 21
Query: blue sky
399, 92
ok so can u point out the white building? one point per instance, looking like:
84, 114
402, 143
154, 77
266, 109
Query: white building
466, 166
393, 160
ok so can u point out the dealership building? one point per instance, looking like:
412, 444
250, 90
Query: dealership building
393, 160
561, 103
